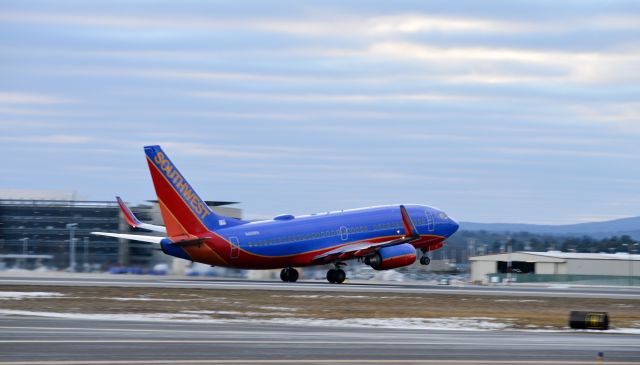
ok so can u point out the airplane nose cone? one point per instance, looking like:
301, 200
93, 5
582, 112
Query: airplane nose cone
454, 226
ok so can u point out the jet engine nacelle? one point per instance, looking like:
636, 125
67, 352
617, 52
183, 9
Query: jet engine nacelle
392, 257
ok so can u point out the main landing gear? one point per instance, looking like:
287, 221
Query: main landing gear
337, 275
425, 260
289, 274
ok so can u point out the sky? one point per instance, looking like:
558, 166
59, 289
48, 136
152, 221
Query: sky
494, 111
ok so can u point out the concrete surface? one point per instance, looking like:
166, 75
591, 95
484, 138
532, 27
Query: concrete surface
50, 279
48, 341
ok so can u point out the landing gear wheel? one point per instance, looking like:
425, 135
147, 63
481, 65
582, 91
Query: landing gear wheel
331, 276
336, 276
289, 274
293, 275
425, 260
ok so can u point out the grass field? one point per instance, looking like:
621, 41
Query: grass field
516, 312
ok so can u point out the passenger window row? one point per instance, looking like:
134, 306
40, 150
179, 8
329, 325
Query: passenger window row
390, 225
306, 236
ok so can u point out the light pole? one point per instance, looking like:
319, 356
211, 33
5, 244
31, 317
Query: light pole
72, 246
509, 259
25, 243
85, 258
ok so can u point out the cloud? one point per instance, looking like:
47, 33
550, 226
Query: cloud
36, 112
190, 74
590, 153
346, 22
416, 23
599, 217
335, 97
624, 116
407, 50
332, 25
507, 77
389, 25
7, 97
49, 139
480, 108
584, 67
617, 21
244, 151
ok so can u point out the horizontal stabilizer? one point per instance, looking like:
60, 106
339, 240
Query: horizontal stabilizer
134, 221
190, 242
133, 237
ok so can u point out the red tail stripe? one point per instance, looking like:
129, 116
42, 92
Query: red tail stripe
175, 204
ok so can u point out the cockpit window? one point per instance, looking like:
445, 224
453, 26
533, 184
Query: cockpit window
444, 215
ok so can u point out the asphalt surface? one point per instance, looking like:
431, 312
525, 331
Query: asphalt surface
32, 340
66, 341
53, 279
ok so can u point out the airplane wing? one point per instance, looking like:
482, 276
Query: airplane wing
135, 222
355, 250
134, 237
361, 249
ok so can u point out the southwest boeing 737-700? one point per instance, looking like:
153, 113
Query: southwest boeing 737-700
383, 237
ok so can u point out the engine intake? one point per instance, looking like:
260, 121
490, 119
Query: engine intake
392, 257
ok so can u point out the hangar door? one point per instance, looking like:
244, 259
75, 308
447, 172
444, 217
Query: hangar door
517, 267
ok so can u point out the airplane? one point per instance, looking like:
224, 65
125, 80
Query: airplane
383, 237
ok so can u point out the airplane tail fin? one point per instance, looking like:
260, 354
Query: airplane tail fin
183, 211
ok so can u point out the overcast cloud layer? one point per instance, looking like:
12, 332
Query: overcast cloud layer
497, 111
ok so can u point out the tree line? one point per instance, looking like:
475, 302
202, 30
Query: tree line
466, 243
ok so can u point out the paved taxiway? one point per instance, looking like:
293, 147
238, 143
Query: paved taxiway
44, 341
53, 279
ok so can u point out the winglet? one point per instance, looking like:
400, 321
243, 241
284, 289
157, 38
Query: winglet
128, 214
409, 228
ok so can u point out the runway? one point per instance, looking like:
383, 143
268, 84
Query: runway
48, 341
105, 280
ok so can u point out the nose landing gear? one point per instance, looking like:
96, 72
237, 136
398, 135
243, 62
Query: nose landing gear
289, 274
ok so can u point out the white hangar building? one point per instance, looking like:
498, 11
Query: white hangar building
555, 263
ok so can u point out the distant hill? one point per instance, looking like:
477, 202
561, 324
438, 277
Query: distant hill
618, 227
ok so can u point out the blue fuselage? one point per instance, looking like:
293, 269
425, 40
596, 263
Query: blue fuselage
295, 241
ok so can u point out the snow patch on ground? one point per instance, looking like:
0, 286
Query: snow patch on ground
109, 317
298, 296
624, 305
520, 300
283, 309
476, 324
142, 299
17, 295
209, 313
453, 324
317, 296
205, 312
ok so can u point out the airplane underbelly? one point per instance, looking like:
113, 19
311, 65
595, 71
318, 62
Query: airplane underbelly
429, 242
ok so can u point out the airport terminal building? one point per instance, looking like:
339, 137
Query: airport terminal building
38, 232
555, 266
